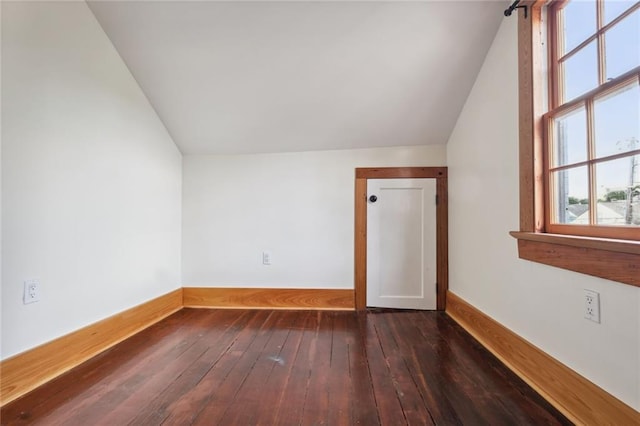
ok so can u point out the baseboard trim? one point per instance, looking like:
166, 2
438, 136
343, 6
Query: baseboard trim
26, 371
577, 398
268, 298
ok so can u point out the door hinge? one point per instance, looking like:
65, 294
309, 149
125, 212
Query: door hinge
437, 200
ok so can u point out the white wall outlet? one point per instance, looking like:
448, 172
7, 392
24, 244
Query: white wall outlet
592, 305
31, 291
266, 258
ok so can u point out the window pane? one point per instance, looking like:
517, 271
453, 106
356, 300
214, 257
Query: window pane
581, 72
622, 44
614, 8
570, 144
618, 187
617, 121
579, 22
571, 205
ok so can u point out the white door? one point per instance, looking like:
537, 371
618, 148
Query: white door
401, 243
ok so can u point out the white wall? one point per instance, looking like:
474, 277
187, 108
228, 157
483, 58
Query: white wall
298, 206
542, 304
91, 181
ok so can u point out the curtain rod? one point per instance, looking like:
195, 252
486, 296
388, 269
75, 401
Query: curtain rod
515, 6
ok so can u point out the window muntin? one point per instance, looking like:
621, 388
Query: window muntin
592, 165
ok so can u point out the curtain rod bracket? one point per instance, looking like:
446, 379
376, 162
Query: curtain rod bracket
515, 6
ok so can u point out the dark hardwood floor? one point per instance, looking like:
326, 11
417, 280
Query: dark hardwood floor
243, 367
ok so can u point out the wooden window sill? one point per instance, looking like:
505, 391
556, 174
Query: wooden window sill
617, 260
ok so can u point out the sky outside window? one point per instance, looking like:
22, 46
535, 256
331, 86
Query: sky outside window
616, 116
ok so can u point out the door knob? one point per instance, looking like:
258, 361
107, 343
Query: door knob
373, 198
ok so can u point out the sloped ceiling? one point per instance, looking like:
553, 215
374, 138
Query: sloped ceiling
247, 77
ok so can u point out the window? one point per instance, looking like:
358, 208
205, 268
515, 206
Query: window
592, 136
579, 115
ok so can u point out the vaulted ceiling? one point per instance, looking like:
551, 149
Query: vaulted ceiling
245, 77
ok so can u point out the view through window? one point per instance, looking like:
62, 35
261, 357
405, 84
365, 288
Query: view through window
592, 167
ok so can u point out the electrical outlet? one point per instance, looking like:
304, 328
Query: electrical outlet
592, 305
266, 258
31, 292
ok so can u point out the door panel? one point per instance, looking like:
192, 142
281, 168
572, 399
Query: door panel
401, 243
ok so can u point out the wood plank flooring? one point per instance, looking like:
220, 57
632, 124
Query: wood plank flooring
250, 367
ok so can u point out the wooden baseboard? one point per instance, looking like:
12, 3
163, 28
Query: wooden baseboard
268, 298
28, 370
576, 397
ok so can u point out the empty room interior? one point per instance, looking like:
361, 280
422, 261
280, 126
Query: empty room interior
320, 212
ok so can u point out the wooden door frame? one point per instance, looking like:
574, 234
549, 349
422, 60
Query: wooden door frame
442, 226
